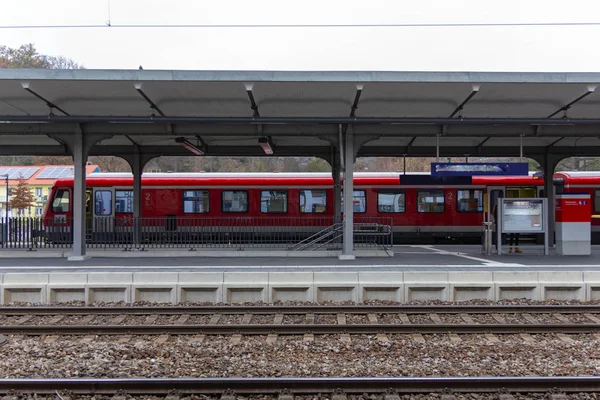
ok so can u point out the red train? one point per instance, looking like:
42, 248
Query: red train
420, 207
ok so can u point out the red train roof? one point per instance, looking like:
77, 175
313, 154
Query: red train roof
579, 177
276, 179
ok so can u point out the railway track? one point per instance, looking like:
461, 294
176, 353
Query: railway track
291, 386
119, 320
304, 309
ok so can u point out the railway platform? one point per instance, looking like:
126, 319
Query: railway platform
413, 273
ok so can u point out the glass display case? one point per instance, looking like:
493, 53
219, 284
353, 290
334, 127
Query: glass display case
523, 216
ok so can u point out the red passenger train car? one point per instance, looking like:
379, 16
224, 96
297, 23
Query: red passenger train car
421, 208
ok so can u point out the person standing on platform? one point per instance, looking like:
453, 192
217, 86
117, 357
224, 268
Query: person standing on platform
513, 238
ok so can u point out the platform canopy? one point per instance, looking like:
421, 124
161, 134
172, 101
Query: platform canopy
300, 113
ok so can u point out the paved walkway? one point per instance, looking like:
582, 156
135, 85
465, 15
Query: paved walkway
405, 258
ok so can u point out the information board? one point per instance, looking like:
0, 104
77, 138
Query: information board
523, 216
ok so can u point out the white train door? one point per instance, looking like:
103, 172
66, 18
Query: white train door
493, 194
103, 201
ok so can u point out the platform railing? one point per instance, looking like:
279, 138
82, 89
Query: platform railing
192, 233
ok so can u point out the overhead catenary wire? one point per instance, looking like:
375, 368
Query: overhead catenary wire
108, 24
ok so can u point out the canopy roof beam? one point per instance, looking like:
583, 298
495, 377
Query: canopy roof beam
138, 87
567, 106
465, 101
50, 104
91, 119
253, 105
359, 89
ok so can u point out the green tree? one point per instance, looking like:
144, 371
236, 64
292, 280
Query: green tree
22, 197
317, 165
27, 56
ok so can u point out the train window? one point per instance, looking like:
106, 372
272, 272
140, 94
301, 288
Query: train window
195, 201
430, 201
234, 201
124, 201
469, 200
60, 204
597, 200
391, 201
273, 201
313, 201
103, 202
359, 201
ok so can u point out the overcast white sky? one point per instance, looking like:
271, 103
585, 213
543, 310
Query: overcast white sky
563, 49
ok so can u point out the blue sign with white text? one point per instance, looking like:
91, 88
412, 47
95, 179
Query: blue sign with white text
472, 169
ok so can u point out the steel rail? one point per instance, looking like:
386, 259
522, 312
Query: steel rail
156, 386
296, 329
310, 309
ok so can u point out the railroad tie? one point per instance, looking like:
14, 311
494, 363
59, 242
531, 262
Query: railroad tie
562, 318
150, 319
56, 319
214, 320
565, 338
118, 319
183, 319
382, 337
597, 336
278, 320
499, 318
372, 318
197, 339
490, 337
272, 338
467, 318
454, 338
593, 318
527, 337
88, 339
436, 319
24, 319
172, 396
530, 318
404, 319
87, 319
236, 338
345, 338
557, 396
448, 397
391, 394
309, 337
125, 338
506, 396
417, 337
161, 339
341, 319
285, 394
119, 396
339, 394
247, 318
310, 318
228, 395
50, 338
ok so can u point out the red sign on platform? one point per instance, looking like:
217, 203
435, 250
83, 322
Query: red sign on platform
573, 208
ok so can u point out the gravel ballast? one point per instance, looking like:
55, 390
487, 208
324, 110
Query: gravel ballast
326, 356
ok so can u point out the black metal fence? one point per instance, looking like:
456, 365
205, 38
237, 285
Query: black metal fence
282, 233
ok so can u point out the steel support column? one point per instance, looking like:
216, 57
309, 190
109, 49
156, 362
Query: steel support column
78, 224
348, 233
548, 165
136, 168
337, 188
137, 161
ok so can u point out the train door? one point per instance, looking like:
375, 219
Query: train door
104, 210
494, 193
88, 210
